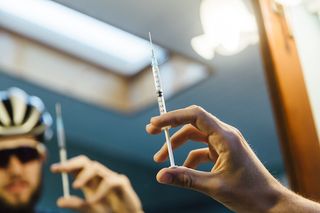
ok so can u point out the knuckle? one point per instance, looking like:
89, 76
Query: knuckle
233, 140
202, 114
176, 121
192, 154
193, 106
187, 180
237, 131
184, 180
124, 178
83, 158
197, 109
232, 136
122, 181
189, 128
94, 165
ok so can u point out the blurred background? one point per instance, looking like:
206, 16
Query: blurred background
106, 88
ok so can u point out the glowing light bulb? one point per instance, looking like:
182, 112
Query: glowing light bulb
228, 28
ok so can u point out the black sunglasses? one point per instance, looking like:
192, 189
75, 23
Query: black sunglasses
24, 154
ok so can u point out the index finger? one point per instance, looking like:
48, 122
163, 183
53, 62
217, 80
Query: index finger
73, 164
193, 115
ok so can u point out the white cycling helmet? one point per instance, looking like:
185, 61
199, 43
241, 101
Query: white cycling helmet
21, 114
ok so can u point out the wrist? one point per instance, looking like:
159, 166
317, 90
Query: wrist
281, 200
271, 198
294, 203
264, 199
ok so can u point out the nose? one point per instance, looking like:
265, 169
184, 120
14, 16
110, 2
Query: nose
14, 166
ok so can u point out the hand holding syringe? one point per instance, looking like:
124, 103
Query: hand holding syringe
62, 149
161, 102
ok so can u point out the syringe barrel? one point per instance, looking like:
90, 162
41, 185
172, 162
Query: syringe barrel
156, 77
157, 84
162, 105
61, 135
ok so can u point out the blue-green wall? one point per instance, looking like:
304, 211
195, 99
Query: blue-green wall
235, 94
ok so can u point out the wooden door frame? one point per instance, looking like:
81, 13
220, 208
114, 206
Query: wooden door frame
291, 105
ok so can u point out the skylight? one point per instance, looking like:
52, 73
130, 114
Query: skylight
78, 34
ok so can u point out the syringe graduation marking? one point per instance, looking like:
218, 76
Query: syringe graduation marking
161, 103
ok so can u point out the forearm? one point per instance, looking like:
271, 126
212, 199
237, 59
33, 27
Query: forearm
275, 198
291, 202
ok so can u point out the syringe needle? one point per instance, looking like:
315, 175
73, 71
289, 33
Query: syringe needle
62, 149
161, 102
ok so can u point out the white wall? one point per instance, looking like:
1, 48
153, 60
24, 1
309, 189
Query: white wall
306, 29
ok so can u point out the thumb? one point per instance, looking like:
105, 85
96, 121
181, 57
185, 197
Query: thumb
186, 178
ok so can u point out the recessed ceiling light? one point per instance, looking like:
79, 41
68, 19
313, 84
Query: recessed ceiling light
78, 34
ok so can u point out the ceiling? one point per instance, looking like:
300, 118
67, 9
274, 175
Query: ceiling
172, 23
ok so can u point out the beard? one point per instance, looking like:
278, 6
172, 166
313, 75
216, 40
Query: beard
28, 207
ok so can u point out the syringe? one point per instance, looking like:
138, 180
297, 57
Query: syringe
62, 149
161, 102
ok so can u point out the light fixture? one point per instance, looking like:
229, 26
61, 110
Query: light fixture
228, 28
78, 34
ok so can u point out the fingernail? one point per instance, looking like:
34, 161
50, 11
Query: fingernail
166, 178
148, 126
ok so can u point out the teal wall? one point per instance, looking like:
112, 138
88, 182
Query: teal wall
235, 94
